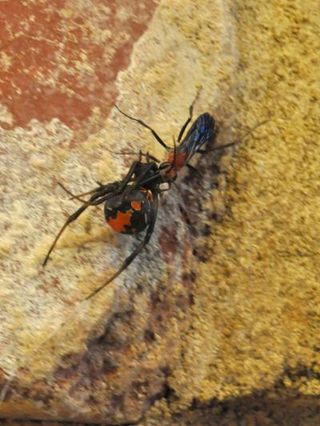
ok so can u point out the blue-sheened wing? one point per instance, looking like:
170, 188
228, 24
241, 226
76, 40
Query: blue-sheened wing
201, 131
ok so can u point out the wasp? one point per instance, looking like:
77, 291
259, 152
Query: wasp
131, 204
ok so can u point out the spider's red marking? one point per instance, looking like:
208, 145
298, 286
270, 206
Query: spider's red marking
136, 205
121, 221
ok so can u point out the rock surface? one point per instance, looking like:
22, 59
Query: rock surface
217, 322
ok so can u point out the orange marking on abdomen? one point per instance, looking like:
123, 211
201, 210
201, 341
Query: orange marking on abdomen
120, 222
136, 205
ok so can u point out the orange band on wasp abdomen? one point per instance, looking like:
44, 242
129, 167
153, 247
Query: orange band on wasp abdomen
177, 159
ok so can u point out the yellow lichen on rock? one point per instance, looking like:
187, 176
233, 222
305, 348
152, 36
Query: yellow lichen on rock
256, 313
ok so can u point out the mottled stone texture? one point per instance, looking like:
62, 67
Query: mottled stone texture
217, 322
60, 58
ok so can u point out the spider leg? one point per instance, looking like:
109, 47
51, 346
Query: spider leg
141, 180
97, 198
83, 194
103, 189
103, 196
70, 219
155, 134
151, 157
136, 251
73, 196
129, 175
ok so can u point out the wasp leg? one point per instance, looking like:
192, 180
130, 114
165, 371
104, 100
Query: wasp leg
185, 214
216, 148
248, 133
194, 170
136, 251
183, 128
155, 134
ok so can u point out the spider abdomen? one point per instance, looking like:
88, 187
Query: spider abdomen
129, 213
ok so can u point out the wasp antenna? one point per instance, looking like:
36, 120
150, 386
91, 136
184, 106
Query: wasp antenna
236, 142
250, 131
183, 128
142, 123
197, 94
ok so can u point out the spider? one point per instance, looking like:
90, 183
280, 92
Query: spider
131, 204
